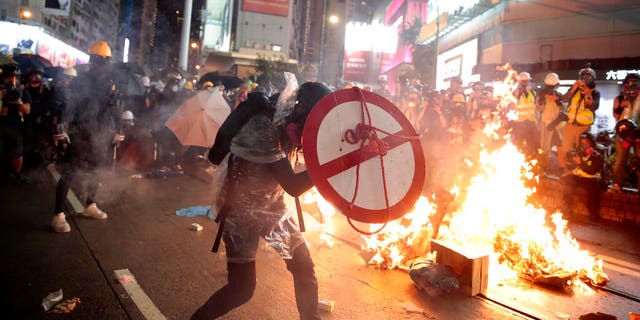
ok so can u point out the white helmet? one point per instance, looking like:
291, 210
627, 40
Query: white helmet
126, 115
524, 76
145, 81
552, 79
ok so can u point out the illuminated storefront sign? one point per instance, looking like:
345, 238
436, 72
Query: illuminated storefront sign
356, 66
458, 61
275, 7
619, 74
33, 40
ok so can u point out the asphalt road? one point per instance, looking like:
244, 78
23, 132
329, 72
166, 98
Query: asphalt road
175, 270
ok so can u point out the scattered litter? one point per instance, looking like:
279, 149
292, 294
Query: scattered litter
136, 176
51, 299
326, 305
66, 306
433, 278
562, 316
195, 211
126, 278
196, 227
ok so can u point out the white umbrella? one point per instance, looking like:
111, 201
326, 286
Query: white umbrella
198, 119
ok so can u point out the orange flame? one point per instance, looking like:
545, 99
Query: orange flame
491, 213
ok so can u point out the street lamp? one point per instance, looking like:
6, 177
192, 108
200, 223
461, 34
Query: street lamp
25, 13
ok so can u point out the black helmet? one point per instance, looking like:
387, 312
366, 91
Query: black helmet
310, 93
625, 129
9, 70
36, 69
588, 136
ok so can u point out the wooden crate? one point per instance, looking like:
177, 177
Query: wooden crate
472, 270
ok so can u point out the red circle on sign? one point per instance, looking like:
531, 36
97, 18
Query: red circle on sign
320, 173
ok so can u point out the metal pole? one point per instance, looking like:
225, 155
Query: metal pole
324, 21
435, 64
184, 40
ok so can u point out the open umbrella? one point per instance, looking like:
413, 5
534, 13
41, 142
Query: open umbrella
198, 119
229, 81
29, 61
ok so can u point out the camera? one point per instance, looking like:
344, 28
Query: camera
571, 154
562, 116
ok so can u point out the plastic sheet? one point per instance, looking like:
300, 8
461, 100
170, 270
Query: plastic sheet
287, 99
435, 279
256, 202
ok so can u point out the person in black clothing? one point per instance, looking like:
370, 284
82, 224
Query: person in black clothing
90, 120
16, 104
38, 122
586, 175
259, 171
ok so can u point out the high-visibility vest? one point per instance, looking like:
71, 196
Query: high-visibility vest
526, 107
578, 111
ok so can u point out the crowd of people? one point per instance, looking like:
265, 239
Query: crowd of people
550, 127
82, 121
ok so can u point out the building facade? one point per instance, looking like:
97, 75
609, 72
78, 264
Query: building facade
76, 23
236, 33
541, 37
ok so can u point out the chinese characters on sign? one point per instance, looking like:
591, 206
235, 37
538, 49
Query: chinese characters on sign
619, 74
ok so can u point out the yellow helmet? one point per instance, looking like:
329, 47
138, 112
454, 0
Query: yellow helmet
207, 84
100, 48
188, 85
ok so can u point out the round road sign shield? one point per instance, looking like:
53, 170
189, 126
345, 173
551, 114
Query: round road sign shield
386, 184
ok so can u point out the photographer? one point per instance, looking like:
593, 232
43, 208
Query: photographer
16, 104
626, 107
583, 100
549, 104
627, 137
587, 174
524, 128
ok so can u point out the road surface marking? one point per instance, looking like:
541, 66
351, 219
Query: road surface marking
142, 301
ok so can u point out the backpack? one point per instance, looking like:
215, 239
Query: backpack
256, 103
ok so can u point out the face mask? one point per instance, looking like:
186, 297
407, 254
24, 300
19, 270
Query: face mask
174, 89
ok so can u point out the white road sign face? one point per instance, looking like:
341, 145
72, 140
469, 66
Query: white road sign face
386, 181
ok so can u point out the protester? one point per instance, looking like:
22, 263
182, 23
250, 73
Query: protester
524, 128
586, 175
433, 127
16, 104
474, 97
132, 144
583, 100
549, 104
626, 106
259, 172
85, 126
61, 95
37, 124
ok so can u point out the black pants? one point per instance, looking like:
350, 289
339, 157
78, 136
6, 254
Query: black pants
593, 187
63, 188
241, 284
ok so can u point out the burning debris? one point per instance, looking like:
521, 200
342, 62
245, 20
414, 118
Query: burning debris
493, 210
